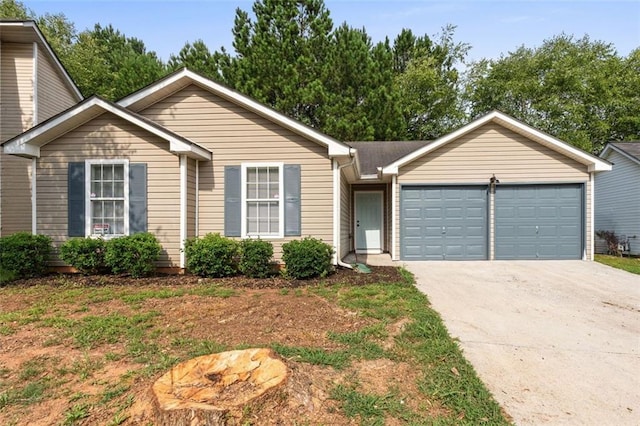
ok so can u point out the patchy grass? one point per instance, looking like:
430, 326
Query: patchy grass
90, 352
629, 264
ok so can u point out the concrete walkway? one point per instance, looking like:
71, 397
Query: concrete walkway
556, 342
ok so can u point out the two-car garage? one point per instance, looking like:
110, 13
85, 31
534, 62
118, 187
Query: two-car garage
454, 222
494, 189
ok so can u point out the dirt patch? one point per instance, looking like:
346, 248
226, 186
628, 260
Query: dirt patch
103, 383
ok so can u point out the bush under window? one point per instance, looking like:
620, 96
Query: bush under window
256, 258
212, 256
85, 254
134, 255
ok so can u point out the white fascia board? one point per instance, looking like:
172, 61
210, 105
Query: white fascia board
392, 169
22, 146
594, 163
335, 148
45, 45
21, 143
190, 150
22, 150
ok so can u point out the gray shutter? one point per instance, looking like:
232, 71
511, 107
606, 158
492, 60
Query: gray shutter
75, 199
292, 212
137, 198
232, 201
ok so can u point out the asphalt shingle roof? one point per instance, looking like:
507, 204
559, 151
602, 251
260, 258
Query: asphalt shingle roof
379, 154
631, 148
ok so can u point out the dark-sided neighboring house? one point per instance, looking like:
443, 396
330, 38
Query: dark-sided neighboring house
618, 193
186, 156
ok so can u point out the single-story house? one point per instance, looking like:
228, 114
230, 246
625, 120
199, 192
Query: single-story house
186, 156
618, 194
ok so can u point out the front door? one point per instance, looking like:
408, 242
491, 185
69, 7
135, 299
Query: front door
368, 222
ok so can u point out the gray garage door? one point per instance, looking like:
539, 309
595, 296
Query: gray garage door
539, 222
443, 223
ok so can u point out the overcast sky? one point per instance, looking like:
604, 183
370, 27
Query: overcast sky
492, 28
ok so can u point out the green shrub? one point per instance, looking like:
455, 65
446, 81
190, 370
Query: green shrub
255, 258
307, 258
24, 255
212, 256
134, 254
84, 254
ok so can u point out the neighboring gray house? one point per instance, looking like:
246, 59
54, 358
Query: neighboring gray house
618, 193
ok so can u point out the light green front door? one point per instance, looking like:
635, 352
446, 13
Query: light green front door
368, 222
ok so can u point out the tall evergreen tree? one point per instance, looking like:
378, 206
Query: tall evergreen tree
281, 56
197, 57
105, 62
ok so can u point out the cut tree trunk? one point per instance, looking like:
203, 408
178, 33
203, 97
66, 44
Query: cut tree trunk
215, 389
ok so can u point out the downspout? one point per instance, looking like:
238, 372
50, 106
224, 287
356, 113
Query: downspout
197, 218
34, 198
592, 225
183, 207
336, 207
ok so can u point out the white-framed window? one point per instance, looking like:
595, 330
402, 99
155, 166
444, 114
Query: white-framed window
107, 198
262, 204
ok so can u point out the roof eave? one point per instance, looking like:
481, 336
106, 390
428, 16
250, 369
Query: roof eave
592, 162
42, 41
24, 144
334, 147
609, 147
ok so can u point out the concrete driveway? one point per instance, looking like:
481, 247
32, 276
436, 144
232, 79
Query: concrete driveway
556, 342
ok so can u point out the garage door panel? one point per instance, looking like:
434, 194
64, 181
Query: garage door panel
453, 222
547, 224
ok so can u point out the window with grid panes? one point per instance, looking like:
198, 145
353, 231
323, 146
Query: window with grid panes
107, 199
262, 198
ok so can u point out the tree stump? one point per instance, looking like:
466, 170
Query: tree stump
214, 389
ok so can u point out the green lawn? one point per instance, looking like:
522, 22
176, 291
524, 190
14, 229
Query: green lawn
629, 264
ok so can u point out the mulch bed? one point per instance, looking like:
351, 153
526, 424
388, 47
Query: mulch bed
340, 276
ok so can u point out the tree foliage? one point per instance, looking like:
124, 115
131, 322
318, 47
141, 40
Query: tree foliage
281, 56
105, 62
428, 83
101, 61
289, 56
578, 90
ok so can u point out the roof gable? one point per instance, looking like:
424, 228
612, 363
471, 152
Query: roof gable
28, 144
592, 162
630, 150
12, 31
180, 79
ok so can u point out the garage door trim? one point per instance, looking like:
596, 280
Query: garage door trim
485, 210
535, 244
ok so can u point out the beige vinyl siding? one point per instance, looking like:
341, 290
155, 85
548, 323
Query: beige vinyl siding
53, 95
110, 137
17, 88
345, 216
236, 136
16, 115
488, 150
191, 198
